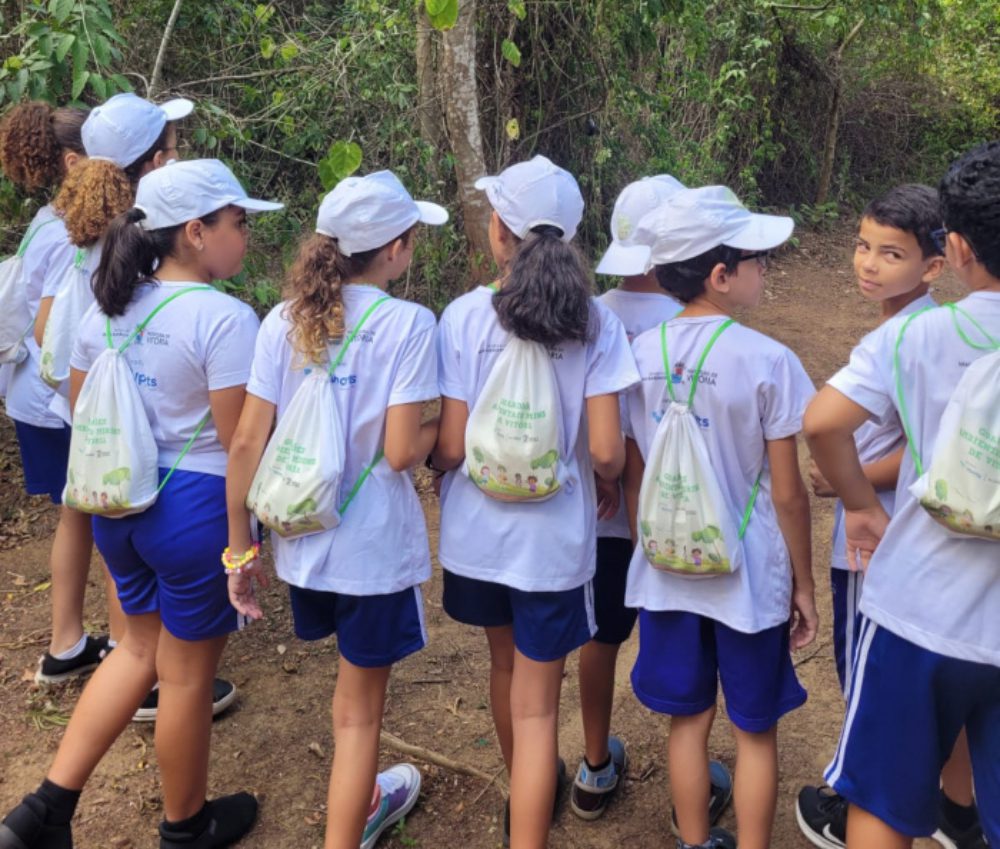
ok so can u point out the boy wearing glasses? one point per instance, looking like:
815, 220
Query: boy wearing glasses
928, 654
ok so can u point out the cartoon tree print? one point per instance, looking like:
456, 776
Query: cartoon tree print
306, 505
646, 528
941, 489
548, 460
116, 477
477, 452
710, 536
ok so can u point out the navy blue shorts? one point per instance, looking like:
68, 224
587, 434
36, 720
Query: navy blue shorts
906, 707
846, 593
614, 620
683, 656
166, 560
547, 625
372, 630
44, 458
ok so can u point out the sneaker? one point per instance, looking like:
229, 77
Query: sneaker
25, 828
721, 795
227, 819
53, 671
561, 782
951, 836
223, 695
400, 786
822, 817
593, 790
718, 838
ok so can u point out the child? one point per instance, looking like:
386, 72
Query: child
189, 227
710, 252
641, 303
524, 571
895, 262
361, 580
929, 640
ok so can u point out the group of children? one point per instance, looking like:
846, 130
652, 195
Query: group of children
919, 657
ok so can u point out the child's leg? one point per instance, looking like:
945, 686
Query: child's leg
690, 787
358, 705
116, 616
867, 831
984, 746
534, 708
186, 669
69, 562
755, 789
956, 777
597, 695
501, 640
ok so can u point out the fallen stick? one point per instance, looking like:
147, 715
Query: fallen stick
436, 758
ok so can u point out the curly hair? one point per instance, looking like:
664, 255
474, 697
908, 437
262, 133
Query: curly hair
33, 137
315, 304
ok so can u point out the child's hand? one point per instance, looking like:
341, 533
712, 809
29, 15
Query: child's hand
608, 497
865, 529
819, 483
805, 620
242, 594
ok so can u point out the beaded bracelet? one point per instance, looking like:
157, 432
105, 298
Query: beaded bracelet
236, 565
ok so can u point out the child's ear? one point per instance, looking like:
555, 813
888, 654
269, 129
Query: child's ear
961, 251
933, 269
718, 278
194, 231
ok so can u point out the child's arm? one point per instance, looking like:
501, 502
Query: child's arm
408, 440
631, 484
791, 504
607, 451
449, 452
41, 318
882, 474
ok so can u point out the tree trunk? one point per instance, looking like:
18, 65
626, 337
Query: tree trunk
428, 101
830, 141
460, 96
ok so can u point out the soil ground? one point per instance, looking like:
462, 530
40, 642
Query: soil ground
276, 741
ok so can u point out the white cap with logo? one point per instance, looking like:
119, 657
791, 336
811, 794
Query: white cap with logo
533, 193
694, 221
125, 127
186, 190
623, 257
364, 213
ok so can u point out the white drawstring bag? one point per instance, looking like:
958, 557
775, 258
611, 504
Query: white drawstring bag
113, 458
15, 316
512, 436
72, 300
296, 489
684, 526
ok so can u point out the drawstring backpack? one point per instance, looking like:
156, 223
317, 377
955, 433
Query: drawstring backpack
113, 458
684, 526
71, 301
15, 316
296, 489
961, 487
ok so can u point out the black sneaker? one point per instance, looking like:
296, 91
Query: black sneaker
223, 695
561, 782
722, 794
227, 819
593, 789
718, 838
952, 836
25, 828
52, 671
822, 817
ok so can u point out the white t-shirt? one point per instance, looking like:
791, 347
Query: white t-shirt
752, 389
935, 589
47, 256
548, 545
381, 543
199, 343
875, 441
638, 311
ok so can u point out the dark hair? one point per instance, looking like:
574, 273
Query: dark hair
130, 256
912, 208
546, 294
685, 280
970, 202
33, 137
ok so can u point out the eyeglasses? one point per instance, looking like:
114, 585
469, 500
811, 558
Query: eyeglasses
762, 257
939, 237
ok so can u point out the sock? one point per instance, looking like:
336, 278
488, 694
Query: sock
958, 815
60, 803
74, 651
376, 801
601, 767
111, 643
192, 825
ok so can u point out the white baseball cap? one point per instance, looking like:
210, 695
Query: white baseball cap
186, 190
694, 221
125, 127
638, 199
533, 193
364, 213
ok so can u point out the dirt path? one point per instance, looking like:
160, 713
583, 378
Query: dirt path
277, 740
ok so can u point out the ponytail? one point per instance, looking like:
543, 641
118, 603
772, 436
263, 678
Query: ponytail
546, 295
33, 137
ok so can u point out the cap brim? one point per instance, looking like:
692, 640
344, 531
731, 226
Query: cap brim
624, 260
179, 107
431, 213
762, 232
483, 183
255, 205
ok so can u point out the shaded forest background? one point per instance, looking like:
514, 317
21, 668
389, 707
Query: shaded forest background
809, 107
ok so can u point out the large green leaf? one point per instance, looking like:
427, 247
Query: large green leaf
447, 17
61, 9
342, 160
65, 43
79, 81
511, 52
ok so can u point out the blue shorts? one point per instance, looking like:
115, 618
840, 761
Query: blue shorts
372, 630
614, 620
44, 458
682, 656
906, 707
166, 559
547, 625
845, 587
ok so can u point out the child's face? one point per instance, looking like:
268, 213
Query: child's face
746, 284
225, 244
888, 262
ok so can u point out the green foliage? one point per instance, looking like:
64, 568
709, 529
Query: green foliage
511, 52
443, 14
342, 160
